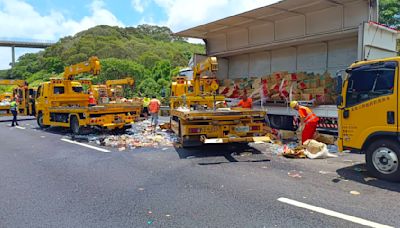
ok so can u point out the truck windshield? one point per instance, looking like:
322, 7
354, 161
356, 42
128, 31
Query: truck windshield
58, 90
77, 89
370, 81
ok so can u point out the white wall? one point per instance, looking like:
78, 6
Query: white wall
318, 57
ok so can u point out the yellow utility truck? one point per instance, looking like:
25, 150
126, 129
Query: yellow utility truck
24, 94
196, 118
63, 103
369, 114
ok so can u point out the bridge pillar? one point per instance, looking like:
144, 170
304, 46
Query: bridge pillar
12, 56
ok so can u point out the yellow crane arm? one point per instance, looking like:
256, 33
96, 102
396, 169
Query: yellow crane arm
91, 66
209, 64
125, 81
13, 82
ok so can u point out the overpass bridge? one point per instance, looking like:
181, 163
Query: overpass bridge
23, 44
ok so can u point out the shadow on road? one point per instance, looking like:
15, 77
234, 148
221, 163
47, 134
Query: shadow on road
359, 174
231, 152
19, 119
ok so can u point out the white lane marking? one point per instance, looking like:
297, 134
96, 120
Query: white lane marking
333, 213
19, 127
86, 145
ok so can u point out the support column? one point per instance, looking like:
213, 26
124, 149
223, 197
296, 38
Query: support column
12, 56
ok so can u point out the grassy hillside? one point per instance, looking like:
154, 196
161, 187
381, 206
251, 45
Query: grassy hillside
148, 53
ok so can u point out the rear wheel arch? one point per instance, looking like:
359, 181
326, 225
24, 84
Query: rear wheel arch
393, 136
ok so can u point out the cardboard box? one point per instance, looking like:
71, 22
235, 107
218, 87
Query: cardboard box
227, 83
276, 97
296, 96
301, 76
320, 90
306, 97
324, 99
274, 88
313, 83
285, 135
278, 76
324, 138
256, 83
309, 91
302, 85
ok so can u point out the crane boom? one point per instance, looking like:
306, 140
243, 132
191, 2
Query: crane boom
210, 64
91, 66
126, 81
19, 83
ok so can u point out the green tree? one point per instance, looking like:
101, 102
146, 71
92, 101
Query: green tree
165, 86
149, 59
149, 88
175, 72
162, 69
113, 68
53, 64
389, 13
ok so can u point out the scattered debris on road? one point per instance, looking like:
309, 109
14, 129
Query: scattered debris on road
140, 135
295, 174
355, 193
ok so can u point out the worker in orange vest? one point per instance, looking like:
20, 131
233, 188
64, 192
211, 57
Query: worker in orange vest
154, 108
308, 119
246, 102
92, 99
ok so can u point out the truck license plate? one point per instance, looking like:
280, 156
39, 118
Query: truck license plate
242, 129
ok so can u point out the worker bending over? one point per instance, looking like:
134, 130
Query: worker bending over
309, 121
246, 102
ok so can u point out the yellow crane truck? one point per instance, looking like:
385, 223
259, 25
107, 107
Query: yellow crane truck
369, 111
63, 103
197, 120
23, 92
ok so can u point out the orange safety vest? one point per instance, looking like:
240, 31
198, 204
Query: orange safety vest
154, 106
308, 115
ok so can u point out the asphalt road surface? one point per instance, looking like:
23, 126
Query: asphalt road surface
46, 181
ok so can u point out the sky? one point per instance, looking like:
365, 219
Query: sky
49, 20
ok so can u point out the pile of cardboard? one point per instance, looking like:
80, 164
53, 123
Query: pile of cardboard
283, 86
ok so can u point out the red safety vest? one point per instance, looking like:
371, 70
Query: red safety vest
92, 100
308, 115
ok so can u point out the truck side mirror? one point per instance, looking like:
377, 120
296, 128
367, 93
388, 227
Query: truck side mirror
339, 84
339, 80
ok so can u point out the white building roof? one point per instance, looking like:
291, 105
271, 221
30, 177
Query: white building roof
271, 13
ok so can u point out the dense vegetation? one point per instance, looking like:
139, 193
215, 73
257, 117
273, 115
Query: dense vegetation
150, 54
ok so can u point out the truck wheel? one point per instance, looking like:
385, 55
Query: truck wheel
74, 125
382, 158
39, 121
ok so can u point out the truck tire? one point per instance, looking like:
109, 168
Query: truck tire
382, 158
74, 125
281, 122
39, 121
